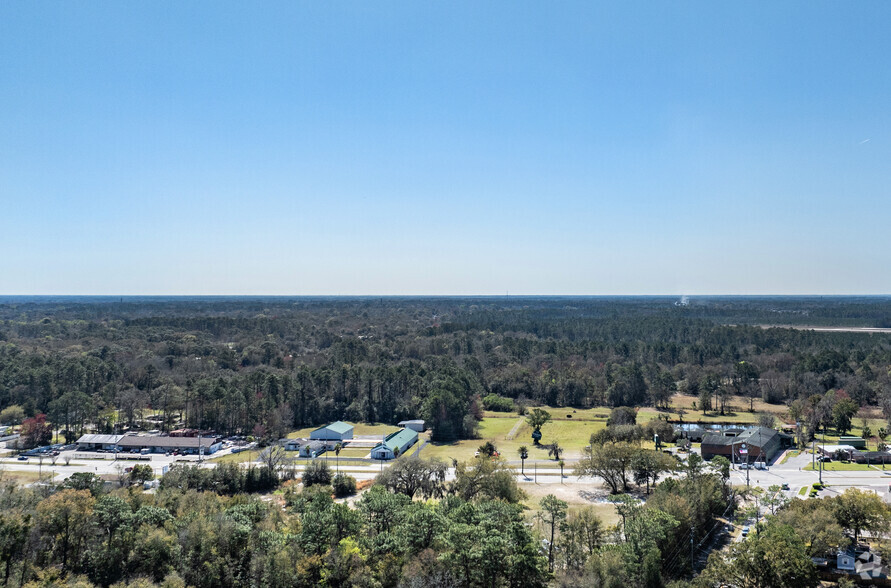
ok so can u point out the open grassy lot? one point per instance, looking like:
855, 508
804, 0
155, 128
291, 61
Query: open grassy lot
240, 457
359, 429
22, 478
572, 429
577, 497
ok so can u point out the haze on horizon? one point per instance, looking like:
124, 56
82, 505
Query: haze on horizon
444, 148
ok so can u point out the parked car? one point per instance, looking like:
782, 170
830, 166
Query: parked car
745, 531
23, 458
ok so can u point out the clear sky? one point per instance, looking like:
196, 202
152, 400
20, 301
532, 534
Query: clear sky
452, 147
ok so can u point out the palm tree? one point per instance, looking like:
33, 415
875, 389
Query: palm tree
555, 450
337, 449
561, 463
524, 453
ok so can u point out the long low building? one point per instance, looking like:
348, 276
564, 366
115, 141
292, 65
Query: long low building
94, 442
149, 443
395, 444
159, 444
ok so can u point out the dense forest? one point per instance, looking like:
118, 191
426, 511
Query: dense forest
264, 366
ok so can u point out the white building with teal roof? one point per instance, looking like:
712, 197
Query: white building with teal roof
395, 444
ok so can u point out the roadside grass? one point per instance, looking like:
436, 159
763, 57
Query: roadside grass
803, 491
839, 466
22, 477
348, 452
240, 457
788, 454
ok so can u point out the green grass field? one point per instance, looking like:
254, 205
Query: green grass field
571, 429
838, 466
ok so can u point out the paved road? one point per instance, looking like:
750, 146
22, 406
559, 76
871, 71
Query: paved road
791, 472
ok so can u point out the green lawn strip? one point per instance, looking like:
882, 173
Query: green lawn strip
803, 491
838, 466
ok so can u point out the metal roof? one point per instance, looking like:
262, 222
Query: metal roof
338, 427
400, 438
137, 441
100, 439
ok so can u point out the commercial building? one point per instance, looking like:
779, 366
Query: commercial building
148, 443
414, 425
94, 442
159, 444
837, 451
339, 431
755, 444
395, 444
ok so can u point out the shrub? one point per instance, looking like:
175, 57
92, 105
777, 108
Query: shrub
615, 433
498, 403
664, 429
344, 485
317, 472
622, 415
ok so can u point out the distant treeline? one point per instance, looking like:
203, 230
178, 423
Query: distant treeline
263, 366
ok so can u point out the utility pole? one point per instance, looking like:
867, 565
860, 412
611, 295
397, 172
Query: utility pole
691, 546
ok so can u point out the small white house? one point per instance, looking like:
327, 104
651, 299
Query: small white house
414, 425
339, 431
306, 447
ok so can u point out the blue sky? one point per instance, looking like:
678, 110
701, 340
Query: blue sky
445, 148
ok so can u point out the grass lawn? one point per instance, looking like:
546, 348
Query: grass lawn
839, 466
240, 457
803, 491
572, 429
